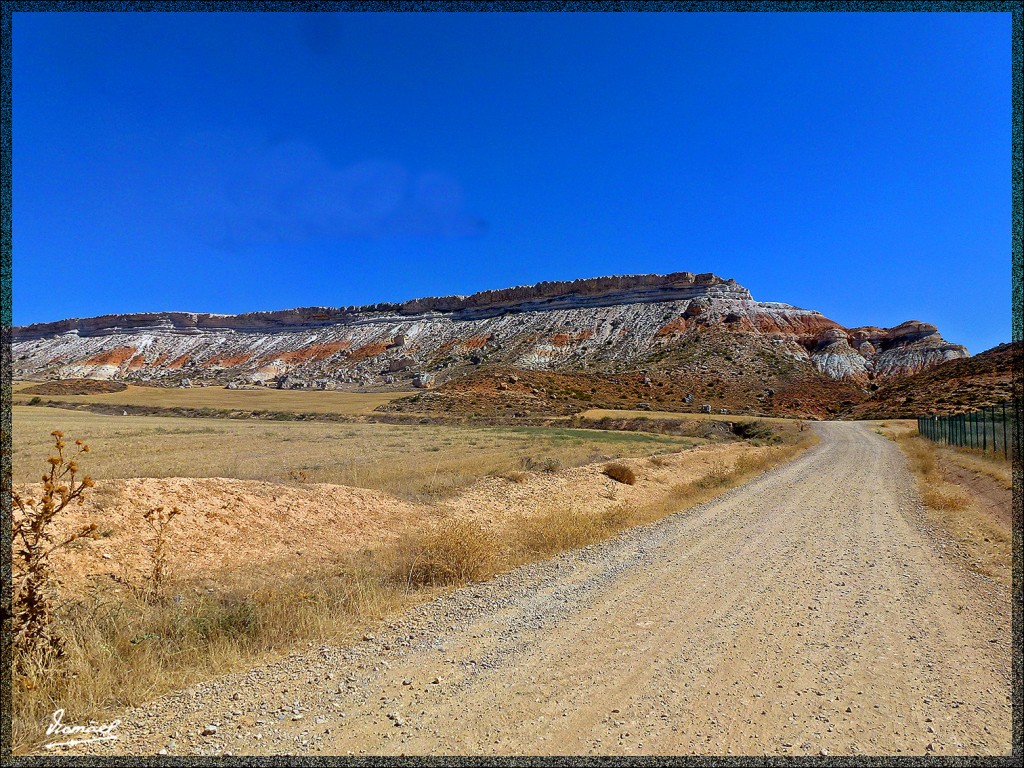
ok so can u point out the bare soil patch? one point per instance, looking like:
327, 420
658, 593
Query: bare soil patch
226, 526
989, 496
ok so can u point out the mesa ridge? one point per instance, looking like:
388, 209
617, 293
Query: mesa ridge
680, 322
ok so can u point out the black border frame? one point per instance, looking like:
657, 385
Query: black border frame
9, 7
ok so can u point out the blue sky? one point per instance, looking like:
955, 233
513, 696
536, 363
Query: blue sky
857, 164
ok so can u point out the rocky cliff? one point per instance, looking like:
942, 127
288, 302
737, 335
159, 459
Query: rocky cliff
957, 386
604, 324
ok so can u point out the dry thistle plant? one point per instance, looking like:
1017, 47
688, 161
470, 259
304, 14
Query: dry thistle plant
35, 636
158, 520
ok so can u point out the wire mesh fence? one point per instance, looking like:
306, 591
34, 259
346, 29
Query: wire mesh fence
989, 429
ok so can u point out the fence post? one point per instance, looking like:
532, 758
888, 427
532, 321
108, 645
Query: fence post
984, 428
1006, 451
995, 431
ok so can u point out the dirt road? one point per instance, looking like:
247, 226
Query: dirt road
808, 612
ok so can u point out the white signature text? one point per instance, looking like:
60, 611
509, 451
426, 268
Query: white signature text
101, 732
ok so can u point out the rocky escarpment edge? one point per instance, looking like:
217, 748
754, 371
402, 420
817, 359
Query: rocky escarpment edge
595, 291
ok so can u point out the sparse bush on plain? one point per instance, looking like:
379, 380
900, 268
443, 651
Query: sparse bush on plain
947, 499
452, 551
620, 517
389, 458
935, 491
985, 541
620, 473
717, 477
549, 464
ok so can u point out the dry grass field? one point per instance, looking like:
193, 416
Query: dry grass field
966, 494
411, 461
264, 399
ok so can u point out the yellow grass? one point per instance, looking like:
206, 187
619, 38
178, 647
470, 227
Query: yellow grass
987, 463
263, 399
990, 463
984, 542
412, 461
122, 649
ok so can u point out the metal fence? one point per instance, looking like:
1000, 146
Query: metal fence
988, 429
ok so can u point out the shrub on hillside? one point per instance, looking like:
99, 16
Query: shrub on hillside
620, 473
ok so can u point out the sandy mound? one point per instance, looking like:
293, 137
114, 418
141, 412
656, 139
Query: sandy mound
231, 526
226, 525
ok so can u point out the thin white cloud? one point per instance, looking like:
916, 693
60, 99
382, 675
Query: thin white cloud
287, 191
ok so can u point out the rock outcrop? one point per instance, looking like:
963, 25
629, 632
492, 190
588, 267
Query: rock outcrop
609, 324
959, 385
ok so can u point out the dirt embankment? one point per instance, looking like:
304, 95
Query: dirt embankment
228, 526
991, 495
